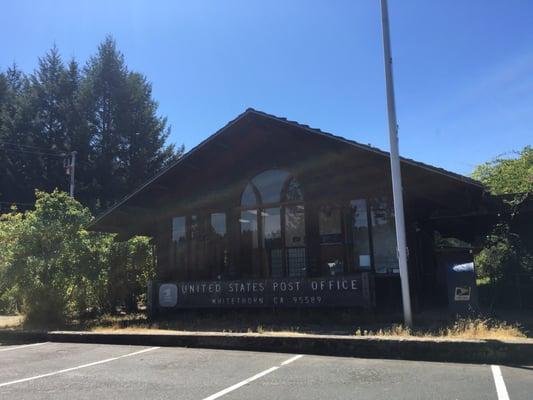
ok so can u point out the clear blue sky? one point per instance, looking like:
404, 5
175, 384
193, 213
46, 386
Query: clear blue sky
463, 69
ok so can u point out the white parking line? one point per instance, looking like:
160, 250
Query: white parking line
292, 359
500, 384
23, 346
62, 371
251, 379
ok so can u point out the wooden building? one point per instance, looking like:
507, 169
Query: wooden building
269, 212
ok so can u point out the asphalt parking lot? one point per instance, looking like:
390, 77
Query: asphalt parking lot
92, 371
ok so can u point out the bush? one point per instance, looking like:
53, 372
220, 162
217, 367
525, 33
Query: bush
503, 255
56, 269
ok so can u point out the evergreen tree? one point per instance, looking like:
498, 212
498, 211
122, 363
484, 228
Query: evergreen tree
104, 112
127, 135
17, 163
49, 99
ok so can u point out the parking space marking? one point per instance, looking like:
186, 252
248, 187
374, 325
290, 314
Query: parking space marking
251, 379
292, 359
62, 371
23, 346
499, 382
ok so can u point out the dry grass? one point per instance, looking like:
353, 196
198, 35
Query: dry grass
468, 328
484, 329
10, 321
461, 329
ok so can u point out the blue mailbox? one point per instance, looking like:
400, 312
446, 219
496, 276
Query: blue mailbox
462, 289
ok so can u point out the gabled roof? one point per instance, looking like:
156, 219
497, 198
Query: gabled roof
310, 130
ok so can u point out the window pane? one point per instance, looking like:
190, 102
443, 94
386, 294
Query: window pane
248, 197
217, 246
195, 228
178, 229
276, 265
179, 239
361, 242
198, 259
218, 223
329, 220
271, 227
296, 261
384, 237
295, 240
295, 226
269, 184
248, 222
294, 193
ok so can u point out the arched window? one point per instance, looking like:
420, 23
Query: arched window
249, 196
292, 191
270, 187
273, 226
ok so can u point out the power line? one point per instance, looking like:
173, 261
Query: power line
24, 145
39, 153
61, 155
29, 149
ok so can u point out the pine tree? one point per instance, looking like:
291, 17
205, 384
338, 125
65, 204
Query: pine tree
49, 123
17, 162
105, 113
127, 135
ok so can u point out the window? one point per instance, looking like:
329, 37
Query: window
329, 219
294, 226
270, 184
218, 247
331, 240
249, 196
249, 245
179, 241
295, 240
271, 221
198, 247
248, 222
218, 224
293, 192
273, 225
384, 237
360, 235
178, 229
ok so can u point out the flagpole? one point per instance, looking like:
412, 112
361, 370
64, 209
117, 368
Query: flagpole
395, 168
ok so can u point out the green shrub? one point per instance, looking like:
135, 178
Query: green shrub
56, 269
503, 255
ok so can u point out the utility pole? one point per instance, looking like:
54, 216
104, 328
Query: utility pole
395, 168
70, 168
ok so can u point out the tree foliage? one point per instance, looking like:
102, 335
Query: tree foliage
508, 175
504, 253
52, 269
103, 111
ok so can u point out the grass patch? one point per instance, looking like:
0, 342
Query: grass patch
464, 328
503, 326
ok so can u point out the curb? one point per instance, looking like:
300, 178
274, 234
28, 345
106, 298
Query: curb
462, 351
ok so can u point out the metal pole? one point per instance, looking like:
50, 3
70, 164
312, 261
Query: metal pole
395, 168
72, 172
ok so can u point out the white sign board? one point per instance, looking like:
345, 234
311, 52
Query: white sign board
462, 293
